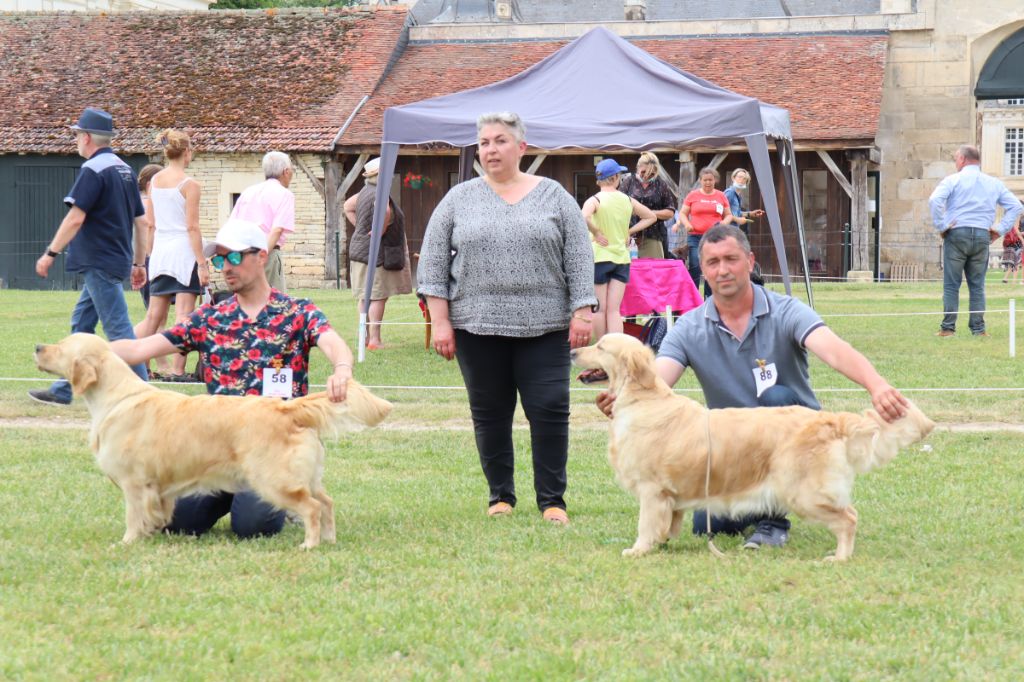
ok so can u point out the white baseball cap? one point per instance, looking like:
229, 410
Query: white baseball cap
237, 235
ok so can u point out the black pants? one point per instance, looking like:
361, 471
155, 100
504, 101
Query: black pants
496, 369
250, 515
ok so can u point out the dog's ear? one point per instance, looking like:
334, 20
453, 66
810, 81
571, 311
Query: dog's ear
639, 365
83, 375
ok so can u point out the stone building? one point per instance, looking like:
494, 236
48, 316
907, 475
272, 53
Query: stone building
240, 83
952, 72
935, 99
881, 92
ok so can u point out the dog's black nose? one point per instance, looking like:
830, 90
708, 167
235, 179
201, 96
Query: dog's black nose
39, 347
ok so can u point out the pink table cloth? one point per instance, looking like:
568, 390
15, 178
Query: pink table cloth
655, 284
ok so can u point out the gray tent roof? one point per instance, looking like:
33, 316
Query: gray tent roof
598, 92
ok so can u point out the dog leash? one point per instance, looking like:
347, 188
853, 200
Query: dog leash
707, 490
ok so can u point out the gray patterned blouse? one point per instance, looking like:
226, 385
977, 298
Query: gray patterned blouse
508, 270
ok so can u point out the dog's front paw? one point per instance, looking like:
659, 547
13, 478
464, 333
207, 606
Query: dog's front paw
636, 551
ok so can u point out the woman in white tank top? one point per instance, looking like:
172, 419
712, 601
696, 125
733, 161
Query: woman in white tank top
176, 264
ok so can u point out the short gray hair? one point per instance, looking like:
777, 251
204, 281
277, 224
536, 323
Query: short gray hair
275, 164
101, 140
969, 152
505, 118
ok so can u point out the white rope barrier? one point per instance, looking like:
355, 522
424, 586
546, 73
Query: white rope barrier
986, 311
596, 389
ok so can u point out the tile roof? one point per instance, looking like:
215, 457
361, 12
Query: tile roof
831, 84
237, 80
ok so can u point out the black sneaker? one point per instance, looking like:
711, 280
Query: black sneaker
44, 395
767, 534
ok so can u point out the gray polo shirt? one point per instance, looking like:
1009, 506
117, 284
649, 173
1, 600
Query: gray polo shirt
724, 364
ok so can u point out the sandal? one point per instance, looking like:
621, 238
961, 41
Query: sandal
592, 376
557, 516
499, 509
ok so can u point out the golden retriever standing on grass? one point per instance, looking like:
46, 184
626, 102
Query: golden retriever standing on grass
762, 459
159, 445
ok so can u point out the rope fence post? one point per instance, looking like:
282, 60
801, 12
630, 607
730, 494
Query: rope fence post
1013, 327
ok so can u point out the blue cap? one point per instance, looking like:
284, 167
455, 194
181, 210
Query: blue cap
94, 121
608, 168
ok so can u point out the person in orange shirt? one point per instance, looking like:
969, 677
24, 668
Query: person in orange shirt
701, 210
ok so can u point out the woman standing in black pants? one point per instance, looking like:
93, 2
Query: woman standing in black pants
507, 270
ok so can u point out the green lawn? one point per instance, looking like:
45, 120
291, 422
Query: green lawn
422, 585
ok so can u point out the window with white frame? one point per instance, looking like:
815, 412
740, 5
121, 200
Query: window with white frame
1014, 163
1018, 102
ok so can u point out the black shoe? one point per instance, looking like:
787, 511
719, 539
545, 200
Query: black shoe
766, 534
44, 395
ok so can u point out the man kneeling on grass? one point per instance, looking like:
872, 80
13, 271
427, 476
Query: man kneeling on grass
748, 348
255, 343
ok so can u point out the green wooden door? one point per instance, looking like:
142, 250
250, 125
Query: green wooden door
32, 191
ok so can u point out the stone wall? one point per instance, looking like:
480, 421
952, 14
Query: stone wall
928, 110
223, 175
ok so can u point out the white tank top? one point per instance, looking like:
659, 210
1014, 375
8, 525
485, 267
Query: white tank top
172, 253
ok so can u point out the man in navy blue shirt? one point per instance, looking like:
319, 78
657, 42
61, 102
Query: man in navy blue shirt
104, 204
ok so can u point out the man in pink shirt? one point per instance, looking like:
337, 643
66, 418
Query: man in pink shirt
271, 205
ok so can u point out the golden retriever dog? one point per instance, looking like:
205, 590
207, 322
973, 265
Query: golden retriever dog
762, 459
159, 445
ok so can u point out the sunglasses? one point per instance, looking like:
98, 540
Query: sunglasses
233, 257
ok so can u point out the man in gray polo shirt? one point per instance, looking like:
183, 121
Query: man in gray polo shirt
748, 348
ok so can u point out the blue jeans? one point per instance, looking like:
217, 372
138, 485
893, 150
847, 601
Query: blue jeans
250, 515
964, 252
693, 258
776, 396
102, 300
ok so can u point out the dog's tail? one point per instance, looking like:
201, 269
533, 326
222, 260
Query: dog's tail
873, 442
316, 411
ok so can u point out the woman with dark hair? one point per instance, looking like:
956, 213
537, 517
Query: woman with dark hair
702, 209
647, 187
145, 177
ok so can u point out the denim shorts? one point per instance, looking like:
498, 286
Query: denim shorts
605, 271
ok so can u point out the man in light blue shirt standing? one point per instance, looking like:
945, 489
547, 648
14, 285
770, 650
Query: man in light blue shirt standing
963, 209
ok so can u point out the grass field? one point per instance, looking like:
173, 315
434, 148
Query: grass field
422, 585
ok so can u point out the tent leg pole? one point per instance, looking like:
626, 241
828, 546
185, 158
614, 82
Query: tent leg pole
361, 355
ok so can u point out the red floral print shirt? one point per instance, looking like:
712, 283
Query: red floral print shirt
236, 349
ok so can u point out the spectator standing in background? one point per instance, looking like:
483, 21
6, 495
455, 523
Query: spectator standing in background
271, 205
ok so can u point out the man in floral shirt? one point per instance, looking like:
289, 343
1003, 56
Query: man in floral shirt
234, 347
255, 343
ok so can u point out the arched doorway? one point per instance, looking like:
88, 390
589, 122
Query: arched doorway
1000, 95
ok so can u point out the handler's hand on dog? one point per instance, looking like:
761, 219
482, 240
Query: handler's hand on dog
604, 402
889, 402
337, 384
